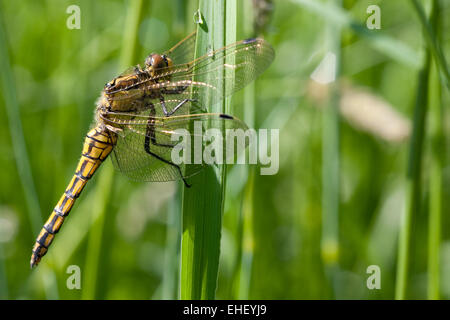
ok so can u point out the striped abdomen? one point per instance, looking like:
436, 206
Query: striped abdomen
97, 146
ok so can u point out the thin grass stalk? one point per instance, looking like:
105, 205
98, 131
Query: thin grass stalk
170, 281
331, 165
413, 183
248, 240
244, 234
7, 84
203, 203
243, 275
106, 176
17, 135
432, 41
435, 192
436, 170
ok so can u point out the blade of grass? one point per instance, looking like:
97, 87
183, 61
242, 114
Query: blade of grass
102, 192
435, 192
436, 169
170, 279
413, 191
17, 135
331, 165
242, 272
203, 203
7, 83
433, 44
247, 240
106, 176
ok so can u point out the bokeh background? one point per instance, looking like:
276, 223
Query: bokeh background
309, 232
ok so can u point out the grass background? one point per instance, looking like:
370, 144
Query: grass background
334, 208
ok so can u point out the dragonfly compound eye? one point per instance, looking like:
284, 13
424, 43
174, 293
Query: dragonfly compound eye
168, 62
149, 61
156, 61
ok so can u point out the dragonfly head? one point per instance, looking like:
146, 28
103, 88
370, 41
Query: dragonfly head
155, 62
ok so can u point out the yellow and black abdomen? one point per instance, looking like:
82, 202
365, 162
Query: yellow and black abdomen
97, 146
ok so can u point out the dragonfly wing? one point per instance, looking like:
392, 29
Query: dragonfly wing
131, 157
183, 51
209, 78
220, 73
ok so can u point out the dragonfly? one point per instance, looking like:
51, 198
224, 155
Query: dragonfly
139, 111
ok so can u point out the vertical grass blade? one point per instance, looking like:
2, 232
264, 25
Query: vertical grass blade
7, 85
170, 279
247, 241
436, 168
245, 238
331, 164
106, 176
432, 42
435, 191
17, 135
413, 192
203, 203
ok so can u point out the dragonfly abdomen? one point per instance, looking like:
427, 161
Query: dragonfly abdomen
97, 146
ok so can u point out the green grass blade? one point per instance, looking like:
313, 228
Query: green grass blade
242, 272
436, 170
247, 241
203, 203
435, 191
7, 85
103, 191
414, 188
331, 164
17, 135
433, 44
170, 278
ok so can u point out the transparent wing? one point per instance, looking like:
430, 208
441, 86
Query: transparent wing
211, 77
175, 104
220, 73
148, 147
184, 50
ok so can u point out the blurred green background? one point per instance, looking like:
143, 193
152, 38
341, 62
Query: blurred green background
308, 232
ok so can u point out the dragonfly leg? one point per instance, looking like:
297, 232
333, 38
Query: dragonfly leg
150, 132
151, 138
178, 106
147, 149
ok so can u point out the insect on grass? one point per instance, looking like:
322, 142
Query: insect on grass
139, 111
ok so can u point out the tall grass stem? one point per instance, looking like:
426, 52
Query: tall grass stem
203, 203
